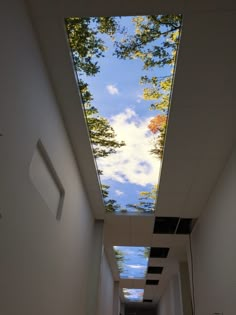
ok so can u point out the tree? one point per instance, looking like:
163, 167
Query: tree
158, 123
87, 47
155, 43
162, 30
111, 205
120, 259
102, 135
146, 252
157, 126
147, 200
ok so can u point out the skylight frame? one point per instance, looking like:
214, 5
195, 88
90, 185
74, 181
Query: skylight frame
124, 211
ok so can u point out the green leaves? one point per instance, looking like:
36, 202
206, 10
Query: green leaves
120, 259
155, 43
87, 47
86, 43
149, 29
147, 201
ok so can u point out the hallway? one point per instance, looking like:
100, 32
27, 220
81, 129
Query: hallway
56, 240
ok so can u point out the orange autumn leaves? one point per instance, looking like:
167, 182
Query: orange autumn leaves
158, 123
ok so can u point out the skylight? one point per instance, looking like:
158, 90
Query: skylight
132, 261
133, 295
125, 69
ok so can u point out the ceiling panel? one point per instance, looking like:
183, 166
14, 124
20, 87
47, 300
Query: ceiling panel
130, 230
169, 240
153, 276
132, 284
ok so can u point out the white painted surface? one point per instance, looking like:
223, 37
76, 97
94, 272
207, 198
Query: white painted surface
95, 268
44, 263
185, 300
116, 299
106, 289
214, 254
170, 301
44, 182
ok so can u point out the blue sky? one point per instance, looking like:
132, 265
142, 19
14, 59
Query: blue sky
118, 97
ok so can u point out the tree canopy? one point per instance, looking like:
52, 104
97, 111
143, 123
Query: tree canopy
87, 47
120, 259
86, 44
147, 200
155, 43
148, 30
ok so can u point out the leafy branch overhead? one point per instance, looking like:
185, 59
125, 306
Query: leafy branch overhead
85, 42
147, 200
120, 259
87, 47
155, 43
162, 30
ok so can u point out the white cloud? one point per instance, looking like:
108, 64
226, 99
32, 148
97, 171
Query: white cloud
139, 98
133, 163
119, 192
112, 89
136, 266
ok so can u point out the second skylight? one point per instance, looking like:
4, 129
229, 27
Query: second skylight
132, 261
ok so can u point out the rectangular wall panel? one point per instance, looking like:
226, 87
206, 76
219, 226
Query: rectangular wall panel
46, 180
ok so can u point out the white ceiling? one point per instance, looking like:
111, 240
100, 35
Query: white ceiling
201, 130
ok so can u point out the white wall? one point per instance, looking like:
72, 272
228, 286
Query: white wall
170, 301
116, 299
214, 253
44, 262
185, 289
106, 289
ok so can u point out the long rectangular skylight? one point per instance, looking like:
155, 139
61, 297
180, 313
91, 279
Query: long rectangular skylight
133, 295
132, 261
125, 68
